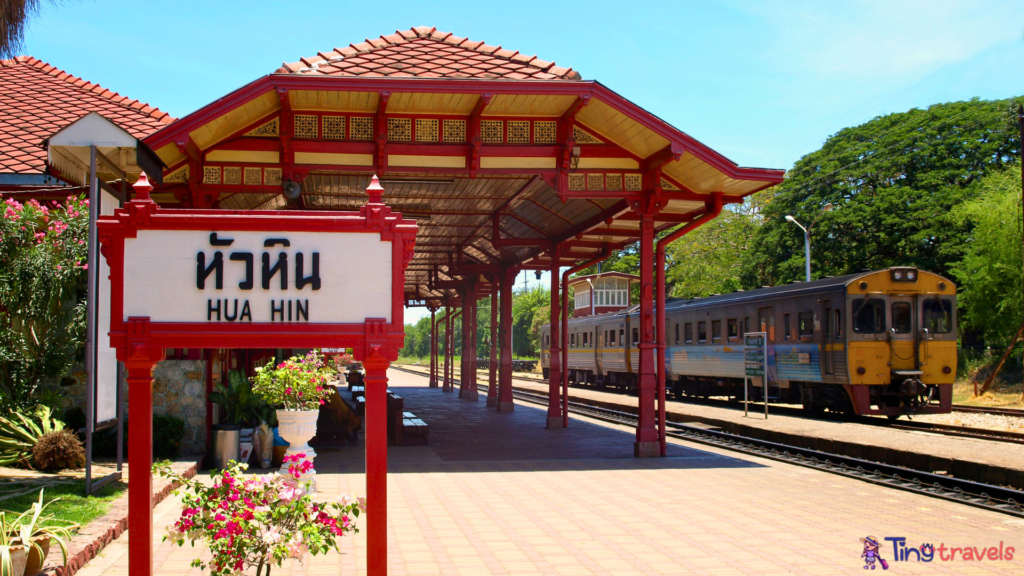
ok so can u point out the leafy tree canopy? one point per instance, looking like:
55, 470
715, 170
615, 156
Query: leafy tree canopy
894, 182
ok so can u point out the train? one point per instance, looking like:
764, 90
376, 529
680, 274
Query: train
881, 342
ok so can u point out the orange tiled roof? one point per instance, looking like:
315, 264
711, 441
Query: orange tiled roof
426, 53
37, 99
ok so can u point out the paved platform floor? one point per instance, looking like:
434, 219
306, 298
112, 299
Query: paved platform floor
496, 493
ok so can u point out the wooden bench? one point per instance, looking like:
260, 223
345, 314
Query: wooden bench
415, 431
396, 407
357, 391
361, 406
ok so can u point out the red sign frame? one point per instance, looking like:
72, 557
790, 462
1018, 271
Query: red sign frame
140, 343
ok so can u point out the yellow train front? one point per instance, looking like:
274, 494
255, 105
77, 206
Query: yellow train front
881, 343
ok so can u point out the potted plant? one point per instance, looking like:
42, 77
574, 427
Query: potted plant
297, 388
13, 553
241, 408
35, 531
257, 521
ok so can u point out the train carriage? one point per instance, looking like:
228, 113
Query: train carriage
881, 342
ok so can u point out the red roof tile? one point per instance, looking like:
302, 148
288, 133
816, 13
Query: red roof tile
37, 99
397, 54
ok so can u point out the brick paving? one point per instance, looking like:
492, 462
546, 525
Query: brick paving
496, 493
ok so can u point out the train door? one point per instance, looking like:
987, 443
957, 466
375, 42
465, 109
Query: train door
828, 340
599, 343
903, 333
767, 318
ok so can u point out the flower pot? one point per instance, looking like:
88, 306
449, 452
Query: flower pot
297, 427
226, 438
19, 557
35, 560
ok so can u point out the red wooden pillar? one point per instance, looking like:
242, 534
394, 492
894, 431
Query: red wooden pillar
646, 434
446, 385
505, 403
140, 360
555, 369
492, 381
467, 387
376, 465
433, 347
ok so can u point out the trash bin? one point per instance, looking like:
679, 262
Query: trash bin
226, 438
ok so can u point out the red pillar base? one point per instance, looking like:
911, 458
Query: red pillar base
473, 395
446, 388
492, 401
433, 384
506, 406
646, 449
555, 423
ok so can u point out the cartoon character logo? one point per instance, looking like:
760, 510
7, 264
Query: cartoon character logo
871, 555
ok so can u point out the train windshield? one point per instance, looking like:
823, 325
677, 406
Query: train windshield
868, 315
938, 315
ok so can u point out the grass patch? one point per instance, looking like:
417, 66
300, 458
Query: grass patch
73, 505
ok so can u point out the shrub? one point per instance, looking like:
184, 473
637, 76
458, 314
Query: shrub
167, 434
59, 450
20, 431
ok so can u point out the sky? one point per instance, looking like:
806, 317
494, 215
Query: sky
761, 82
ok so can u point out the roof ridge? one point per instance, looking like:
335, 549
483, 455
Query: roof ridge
92, 87
313, 63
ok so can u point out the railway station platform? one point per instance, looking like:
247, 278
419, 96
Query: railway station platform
969, 458
497, 493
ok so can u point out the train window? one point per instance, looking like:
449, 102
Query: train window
677, 334
716, 331
938, 315
702, 331
585, 339
636, 336
688, 333
611, 337
572, 341
547, 340
805, 323
622, 336
868, 315
902, 322
733, 330
787, 333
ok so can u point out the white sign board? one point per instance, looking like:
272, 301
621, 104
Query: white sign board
264, 277
106, 367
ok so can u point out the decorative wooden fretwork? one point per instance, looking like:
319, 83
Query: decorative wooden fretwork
455, 131
271, 128
632, 182
179, 175
211, 174
426, 129
613, 181
306, 126
582, 137
253, 176
334, 127
360, 128
272, 176
545, 131
666, 185
577, 182
518, 132
595, 181
491, 132
399, 129
232, 175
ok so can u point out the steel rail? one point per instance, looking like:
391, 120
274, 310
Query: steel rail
977, 494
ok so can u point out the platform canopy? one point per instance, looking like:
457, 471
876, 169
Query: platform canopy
499, 156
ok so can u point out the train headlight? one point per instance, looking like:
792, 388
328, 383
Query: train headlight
897, 274
911, 275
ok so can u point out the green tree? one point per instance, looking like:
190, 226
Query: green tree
42, 303
525, 308
991, 270
894, 182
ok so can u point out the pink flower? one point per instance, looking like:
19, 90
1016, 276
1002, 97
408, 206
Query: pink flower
59, 267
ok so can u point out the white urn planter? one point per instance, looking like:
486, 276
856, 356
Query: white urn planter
297, 427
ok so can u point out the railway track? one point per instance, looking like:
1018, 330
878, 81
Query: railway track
1017, 413
987, 496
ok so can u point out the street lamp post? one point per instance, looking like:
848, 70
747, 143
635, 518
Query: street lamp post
807, 239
